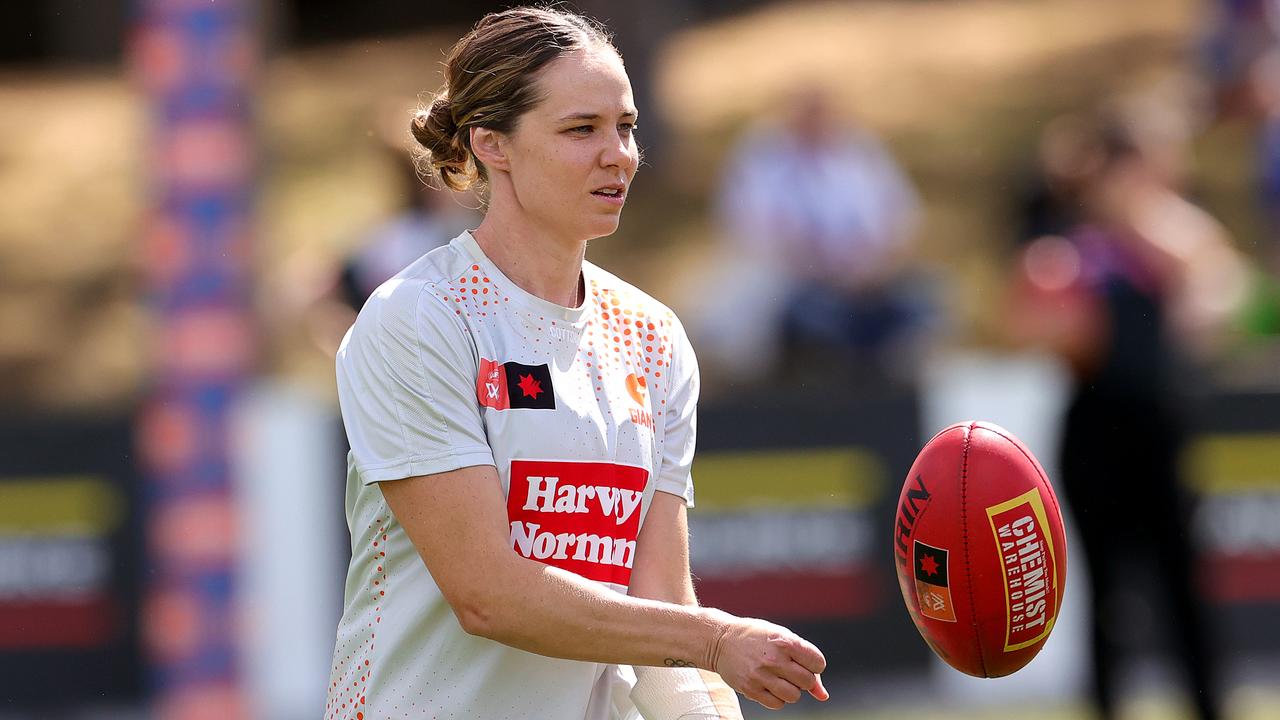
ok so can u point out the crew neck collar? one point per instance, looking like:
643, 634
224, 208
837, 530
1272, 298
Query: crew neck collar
518, 295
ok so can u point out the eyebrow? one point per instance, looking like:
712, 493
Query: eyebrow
595, 116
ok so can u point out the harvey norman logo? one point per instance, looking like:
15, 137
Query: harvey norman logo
580, 516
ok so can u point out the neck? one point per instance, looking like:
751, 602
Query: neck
539, 262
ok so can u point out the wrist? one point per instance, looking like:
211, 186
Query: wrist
718, 624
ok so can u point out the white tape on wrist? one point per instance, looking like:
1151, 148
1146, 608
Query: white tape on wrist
662, 693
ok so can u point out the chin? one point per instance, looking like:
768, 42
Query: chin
601, 229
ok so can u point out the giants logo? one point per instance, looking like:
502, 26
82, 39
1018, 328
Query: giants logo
580, 516
638, 389
1029, 569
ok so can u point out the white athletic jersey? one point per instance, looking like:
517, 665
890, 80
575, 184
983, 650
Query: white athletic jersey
585, 413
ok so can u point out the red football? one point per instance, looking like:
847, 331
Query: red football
982, 559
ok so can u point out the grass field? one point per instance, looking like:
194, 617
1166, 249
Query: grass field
1243, 704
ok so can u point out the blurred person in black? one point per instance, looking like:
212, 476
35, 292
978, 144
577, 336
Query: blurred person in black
1049, 199
1126, 297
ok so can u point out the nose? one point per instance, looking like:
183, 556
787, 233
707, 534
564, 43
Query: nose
619, 151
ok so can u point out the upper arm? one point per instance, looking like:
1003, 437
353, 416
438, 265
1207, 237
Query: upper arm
680, 421
661, 568
406, 384
457, 522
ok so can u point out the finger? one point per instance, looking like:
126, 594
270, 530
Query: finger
808, 655
818, 691
766, 698
796, 674
784, 690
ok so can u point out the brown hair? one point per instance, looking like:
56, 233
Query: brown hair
489, 83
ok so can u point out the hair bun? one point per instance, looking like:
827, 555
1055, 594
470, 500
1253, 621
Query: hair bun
443, 153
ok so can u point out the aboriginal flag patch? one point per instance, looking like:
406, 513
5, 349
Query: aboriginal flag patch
932, 584
515, 386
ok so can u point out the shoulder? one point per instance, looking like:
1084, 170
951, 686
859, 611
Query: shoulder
626, 307
414, 303
627, 296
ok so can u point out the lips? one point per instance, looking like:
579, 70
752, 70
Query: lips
612, 192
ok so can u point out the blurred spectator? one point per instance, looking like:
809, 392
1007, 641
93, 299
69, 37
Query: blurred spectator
1243, 68
1240, 31
1246, 76
818, 221
1125, 297
427, 219
1265, 96
324, 298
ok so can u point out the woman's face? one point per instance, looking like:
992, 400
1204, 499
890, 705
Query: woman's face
573, 155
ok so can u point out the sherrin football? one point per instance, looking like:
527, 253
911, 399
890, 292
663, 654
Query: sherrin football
980, 550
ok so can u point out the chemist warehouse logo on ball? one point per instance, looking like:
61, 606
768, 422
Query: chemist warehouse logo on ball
579, 516
1029, 571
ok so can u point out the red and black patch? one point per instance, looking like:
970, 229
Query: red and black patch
931, 564
515, 386
933, 585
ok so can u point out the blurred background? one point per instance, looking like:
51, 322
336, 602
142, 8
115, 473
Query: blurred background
875, 218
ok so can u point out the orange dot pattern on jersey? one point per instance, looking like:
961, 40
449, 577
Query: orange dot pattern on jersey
615, 331
347, 695
619, 334
472, 294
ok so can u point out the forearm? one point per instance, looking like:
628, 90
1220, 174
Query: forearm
661, 572
457, 521
549, 611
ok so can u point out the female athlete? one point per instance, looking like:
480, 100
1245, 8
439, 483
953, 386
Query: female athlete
522, 428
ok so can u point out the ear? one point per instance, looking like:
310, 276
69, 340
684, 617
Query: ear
490, 147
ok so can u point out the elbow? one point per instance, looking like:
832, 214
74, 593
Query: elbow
478, 615
483, 602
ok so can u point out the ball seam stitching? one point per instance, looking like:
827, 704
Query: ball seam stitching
964, 534
1036, 465
1060, 579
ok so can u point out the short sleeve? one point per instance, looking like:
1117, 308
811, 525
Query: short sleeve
680, 428
406, 385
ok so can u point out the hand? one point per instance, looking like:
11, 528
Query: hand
765, 662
